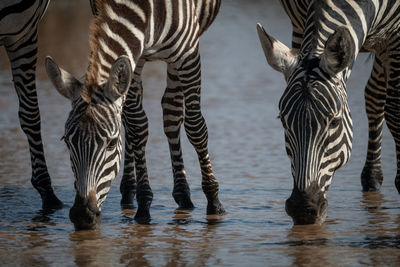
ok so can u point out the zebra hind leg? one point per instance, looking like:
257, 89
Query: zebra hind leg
196, 129
23, 56
172, 105
136, 129
392, 107
372, 176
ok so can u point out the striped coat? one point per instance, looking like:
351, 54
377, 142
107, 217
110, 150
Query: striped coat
124, 35
327, 37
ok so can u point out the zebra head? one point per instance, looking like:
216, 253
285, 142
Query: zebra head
93, 135
316, 118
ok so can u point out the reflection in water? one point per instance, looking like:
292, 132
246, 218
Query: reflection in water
89, 247
305, 239
135, 245
377, 218
240, 96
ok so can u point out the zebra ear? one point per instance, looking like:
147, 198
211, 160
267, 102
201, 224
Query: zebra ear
339, 51
119, 79
278, 55
65, 83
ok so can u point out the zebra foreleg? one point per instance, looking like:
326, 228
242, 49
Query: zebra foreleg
196, 129
136, 129
128, 182
392, 107
172, 105
23, 57
375, 95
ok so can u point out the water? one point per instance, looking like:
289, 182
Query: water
240, 103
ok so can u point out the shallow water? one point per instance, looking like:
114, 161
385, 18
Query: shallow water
240, 103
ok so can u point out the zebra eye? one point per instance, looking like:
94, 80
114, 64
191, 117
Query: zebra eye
113, 143
335, 122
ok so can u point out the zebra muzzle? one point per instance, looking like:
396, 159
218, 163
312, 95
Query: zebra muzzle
85, 214
307, 207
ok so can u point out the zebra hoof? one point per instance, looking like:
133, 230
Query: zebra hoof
184, 202
215, 208
371, 179
181, 196
142, 215
51, 202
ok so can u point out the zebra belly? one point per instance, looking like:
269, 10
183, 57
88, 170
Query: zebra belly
378, 40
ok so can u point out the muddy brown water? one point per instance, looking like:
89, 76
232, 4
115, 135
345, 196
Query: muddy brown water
240, 103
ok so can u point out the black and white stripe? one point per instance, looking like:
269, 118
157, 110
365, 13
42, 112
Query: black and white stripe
327, 37
18, 34
138, 31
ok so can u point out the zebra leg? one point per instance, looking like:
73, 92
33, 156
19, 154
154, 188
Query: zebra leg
196, 129
392, 107
23, 57
172, 105
136, 134
375, 94
128, 182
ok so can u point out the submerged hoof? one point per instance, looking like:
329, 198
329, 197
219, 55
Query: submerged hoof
181, 196
371, 179
51, 202
215, 208
184, 202
142, 215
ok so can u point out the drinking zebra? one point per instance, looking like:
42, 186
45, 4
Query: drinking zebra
124, 35
327, 37
18, 34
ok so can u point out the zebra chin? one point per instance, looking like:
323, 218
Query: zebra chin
84, 214
308, 207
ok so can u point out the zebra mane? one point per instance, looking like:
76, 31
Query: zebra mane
91, 75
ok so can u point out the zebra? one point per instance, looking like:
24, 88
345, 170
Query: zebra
19, 34
124, 35
327, 37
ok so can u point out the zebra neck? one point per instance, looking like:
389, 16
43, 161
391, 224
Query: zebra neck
102, 57
108, 42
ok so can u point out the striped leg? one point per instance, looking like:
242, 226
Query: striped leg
172, 105
375, 94
196, 129
136, 134
22, 55
392, 107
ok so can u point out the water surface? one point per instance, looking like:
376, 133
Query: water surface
240, 97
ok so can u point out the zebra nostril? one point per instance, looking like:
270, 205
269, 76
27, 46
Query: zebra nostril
92, 203
85, 214
92, 207
83, 218
306, 208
